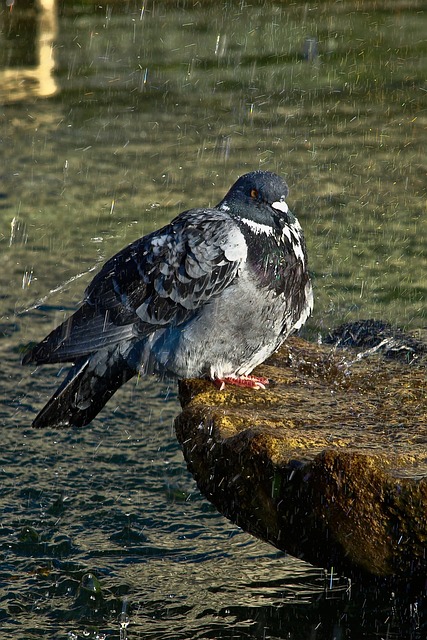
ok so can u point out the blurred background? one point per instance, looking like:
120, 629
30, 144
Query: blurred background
114, 118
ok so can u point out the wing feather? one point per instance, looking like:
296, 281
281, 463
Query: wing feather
159, 280
166, 276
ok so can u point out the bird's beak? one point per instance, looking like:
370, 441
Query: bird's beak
280, 205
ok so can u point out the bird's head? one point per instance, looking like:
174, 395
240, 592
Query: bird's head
259, 198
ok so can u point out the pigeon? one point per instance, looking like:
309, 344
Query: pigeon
210, 295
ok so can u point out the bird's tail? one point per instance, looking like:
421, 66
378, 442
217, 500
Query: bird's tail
90, 383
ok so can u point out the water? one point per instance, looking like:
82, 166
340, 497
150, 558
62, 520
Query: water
152, 109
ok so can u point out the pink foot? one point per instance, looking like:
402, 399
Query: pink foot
250, 382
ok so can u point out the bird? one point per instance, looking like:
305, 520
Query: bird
210, 295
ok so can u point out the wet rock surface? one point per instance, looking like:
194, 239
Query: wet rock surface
330, 462
376, 335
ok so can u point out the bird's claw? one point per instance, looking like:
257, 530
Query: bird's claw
250, 382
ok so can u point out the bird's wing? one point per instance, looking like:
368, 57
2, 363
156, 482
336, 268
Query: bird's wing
157, 281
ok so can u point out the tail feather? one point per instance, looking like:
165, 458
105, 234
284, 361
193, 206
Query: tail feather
90, 383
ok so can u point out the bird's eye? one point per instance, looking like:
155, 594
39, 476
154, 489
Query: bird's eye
254, 194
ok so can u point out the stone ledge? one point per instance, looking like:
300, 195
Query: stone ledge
329, 463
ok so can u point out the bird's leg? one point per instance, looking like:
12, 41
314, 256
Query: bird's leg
250, 382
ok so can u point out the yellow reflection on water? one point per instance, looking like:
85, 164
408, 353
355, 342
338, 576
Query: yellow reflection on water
27, 61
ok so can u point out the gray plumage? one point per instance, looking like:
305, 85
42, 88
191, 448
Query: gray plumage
212, 294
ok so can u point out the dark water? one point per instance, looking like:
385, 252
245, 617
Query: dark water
134, 114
